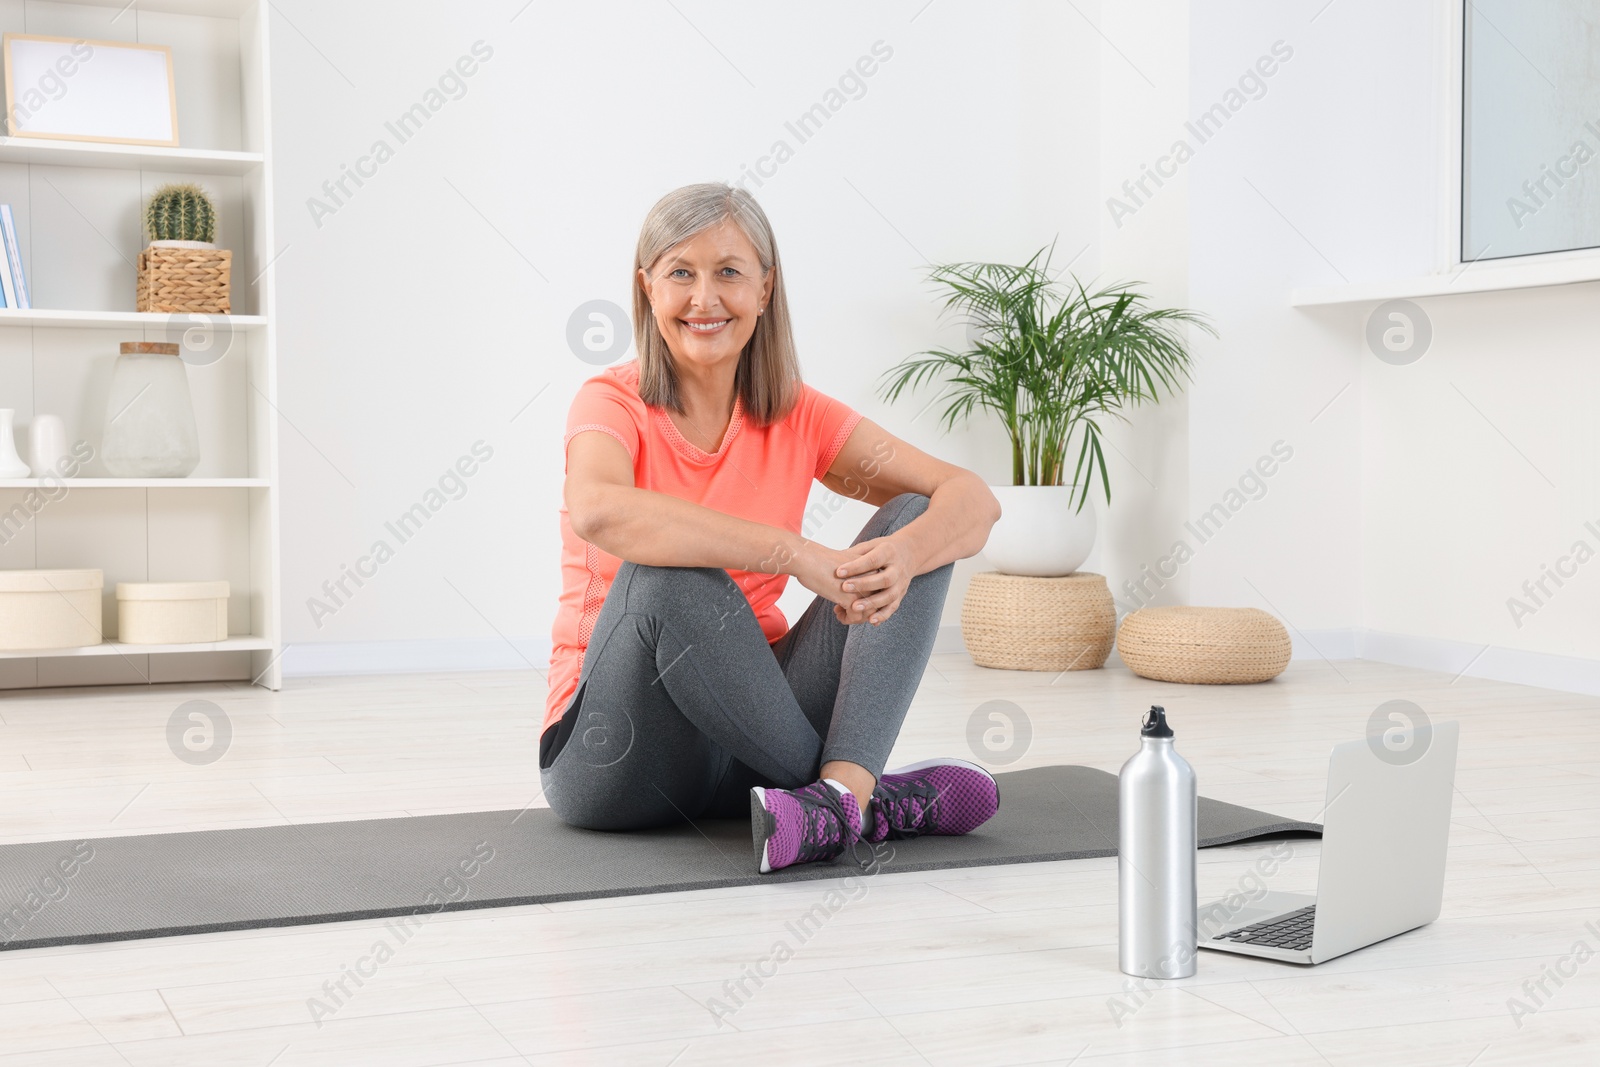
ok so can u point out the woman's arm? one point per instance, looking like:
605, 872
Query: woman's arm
866, 581
607, 510
875, 466
658, 529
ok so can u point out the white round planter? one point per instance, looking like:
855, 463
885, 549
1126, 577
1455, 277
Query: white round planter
1040, 533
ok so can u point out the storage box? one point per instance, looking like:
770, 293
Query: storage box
50, 609
171, 613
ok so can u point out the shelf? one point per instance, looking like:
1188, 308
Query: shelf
1475, 278
115, 648
209, 8
126, 156
136, 483
121, 320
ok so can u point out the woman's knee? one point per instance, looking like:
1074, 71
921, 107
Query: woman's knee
650, 581
687, 595
900, 511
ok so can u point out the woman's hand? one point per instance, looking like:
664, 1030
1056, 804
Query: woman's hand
865, 582
875, 577
816, 567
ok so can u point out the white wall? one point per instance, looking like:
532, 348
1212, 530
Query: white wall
1144, 65
1285, 541
1273, 192
1420, 499
1479, 481
429, 310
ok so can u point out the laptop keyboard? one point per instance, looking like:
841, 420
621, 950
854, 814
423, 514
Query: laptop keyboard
1291, 932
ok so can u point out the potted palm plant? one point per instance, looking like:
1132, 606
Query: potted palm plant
1051, 361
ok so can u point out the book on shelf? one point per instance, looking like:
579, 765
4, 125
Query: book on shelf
12, 277
8, 288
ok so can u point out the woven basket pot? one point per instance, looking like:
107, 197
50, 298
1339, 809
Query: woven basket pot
1018, 623
184, 279
1205, 646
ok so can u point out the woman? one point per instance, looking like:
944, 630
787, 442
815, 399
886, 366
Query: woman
676, 688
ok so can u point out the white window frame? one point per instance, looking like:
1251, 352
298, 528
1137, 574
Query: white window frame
1453, 275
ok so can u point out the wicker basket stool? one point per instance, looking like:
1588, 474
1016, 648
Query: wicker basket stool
1207, 646
1017, 623
194, 280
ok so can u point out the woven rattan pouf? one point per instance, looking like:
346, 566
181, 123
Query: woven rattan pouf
1017, 623
1207, 646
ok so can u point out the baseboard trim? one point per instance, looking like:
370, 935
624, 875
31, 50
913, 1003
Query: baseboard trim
1324, 644
1459, 659
1569, 674
949, 640
416, 657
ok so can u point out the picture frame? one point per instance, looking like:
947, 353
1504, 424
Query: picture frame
73, 89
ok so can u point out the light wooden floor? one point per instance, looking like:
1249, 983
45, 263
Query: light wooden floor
1011, 965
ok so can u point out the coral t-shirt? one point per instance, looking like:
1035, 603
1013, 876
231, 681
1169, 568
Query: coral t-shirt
760, 473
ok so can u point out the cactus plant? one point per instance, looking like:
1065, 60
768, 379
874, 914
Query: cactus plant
180, 212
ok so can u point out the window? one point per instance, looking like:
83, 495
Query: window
1530, 127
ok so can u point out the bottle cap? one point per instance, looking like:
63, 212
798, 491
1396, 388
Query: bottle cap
1155, 723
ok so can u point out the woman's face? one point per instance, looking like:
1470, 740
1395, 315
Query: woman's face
706, 294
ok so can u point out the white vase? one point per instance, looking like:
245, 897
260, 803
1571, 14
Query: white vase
150, 429
47, 445
1041, 532
11, 465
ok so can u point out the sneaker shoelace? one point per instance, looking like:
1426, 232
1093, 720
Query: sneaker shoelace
907, 806
820, 800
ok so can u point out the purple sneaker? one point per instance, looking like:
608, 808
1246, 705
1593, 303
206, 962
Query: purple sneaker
939, 796
815, 822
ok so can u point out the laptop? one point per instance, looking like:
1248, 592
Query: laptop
1386, 826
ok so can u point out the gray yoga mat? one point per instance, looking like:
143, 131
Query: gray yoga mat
162, 885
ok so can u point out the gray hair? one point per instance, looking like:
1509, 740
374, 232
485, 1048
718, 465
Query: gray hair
768, 378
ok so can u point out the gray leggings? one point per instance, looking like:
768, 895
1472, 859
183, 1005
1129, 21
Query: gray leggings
682, 705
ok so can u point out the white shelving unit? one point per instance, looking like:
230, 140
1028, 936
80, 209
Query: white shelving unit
135, 483
124, 320
127, 156
77, 207
116, 648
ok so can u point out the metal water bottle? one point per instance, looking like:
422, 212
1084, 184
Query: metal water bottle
1158, 805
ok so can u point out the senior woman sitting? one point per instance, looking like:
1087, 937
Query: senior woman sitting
677, 689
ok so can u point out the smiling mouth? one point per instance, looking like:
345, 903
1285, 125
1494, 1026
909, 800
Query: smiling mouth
705, 327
